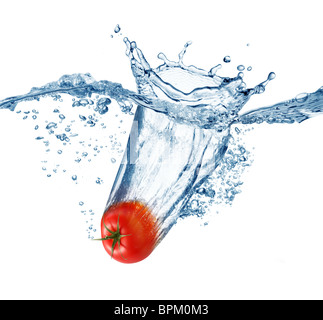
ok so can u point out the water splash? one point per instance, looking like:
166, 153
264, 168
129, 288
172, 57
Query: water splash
298, 109
181, 157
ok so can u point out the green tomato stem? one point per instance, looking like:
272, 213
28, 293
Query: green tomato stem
115, 236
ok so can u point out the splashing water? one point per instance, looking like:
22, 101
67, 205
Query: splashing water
181, 157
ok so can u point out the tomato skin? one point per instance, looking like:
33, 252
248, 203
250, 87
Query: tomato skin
137, 226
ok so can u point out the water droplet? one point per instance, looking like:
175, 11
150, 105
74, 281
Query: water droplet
82, 117
113, 160
227, 59
59, 151
241, 67
91, 123
242, 149
271, 76
83, 102
81, 203
99, 181
36, 127
74, 178
117, 29
76, 104
61, 116
249, 68
51, 125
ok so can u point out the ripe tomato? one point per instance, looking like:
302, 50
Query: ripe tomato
129, 231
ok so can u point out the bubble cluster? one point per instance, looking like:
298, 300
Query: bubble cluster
72, 134
89, 222
222, 187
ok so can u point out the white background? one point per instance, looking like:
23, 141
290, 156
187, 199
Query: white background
268, 245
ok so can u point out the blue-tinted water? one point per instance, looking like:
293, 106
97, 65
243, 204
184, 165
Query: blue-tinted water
181, 157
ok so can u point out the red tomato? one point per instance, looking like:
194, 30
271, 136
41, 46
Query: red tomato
129, 231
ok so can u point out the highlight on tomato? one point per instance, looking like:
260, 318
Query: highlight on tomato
129, 231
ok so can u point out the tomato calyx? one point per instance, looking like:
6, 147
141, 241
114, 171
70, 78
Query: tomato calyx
116, 236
